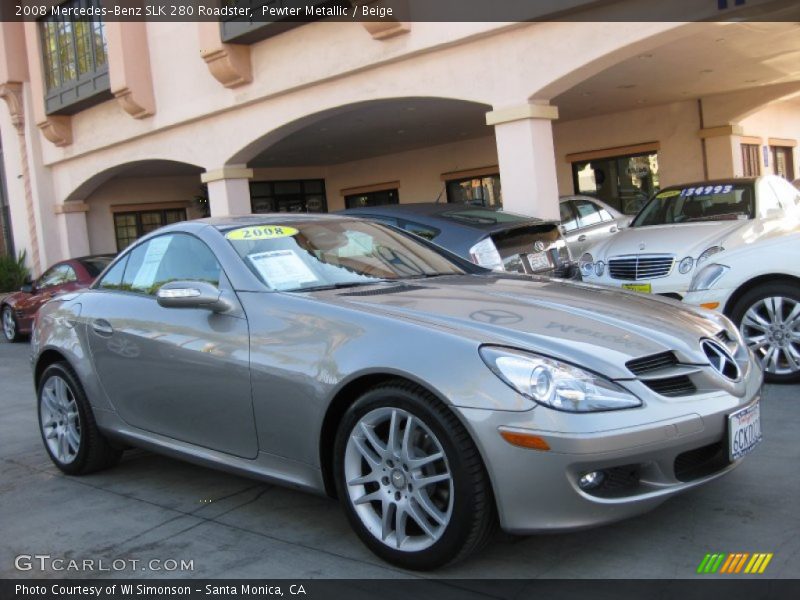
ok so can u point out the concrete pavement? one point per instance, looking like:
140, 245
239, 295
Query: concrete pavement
154, 508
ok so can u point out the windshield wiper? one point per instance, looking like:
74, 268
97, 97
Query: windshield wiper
424, 276
339, 286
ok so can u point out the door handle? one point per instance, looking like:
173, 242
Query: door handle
613, 229
582, 238
102, 327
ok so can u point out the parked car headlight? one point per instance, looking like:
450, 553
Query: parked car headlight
586, 265
686, 265
707, 277
599, 268
485, 254
708, 253
556, 384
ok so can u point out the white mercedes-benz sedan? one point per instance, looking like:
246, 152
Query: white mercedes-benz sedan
758, 286
684, 226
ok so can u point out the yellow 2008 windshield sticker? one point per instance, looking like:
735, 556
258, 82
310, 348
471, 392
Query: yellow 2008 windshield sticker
669, 194
261, 232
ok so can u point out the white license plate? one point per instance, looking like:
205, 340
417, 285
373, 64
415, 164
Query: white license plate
539, 261
744, 431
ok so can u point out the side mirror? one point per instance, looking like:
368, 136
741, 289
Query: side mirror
27, 288
192, 294
562, 229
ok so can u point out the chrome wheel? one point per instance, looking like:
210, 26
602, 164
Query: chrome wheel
60, 420
771, 327
398, 479
9, 324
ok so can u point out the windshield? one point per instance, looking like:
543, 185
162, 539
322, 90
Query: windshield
306, 255
719, 202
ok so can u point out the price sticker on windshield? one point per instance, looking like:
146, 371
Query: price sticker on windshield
261, 232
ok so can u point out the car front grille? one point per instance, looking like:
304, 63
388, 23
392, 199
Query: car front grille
664, 374
672, 386
654, 362
701, 462
640, 266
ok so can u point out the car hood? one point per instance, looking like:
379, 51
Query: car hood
578, 323
685, 239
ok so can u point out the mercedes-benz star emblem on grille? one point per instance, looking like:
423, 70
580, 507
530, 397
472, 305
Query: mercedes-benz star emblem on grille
721, 359
538, 246
642, 245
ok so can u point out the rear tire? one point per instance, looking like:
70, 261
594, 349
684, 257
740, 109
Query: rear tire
10, 324
420, 497
769, 318
66, 422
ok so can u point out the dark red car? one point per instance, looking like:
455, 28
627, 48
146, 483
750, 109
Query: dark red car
18, 309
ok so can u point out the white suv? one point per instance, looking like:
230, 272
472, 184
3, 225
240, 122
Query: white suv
683, 226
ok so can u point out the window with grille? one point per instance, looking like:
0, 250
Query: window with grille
783, 161
750, 160
295, 196
130, 226
74, 59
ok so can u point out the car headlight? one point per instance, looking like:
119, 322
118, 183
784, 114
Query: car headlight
686, 265
599, 268
485, 254
556, 384
708, 253
586, 265
707, 277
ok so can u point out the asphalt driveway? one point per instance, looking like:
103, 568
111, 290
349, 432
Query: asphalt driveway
151, 508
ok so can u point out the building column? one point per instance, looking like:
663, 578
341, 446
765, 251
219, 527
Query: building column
723, 155
228, 190
72, 228
525, 152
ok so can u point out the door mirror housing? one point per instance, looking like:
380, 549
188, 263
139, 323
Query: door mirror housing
27, 287
192, 294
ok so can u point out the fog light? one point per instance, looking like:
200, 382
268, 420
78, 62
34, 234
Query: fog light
592, 480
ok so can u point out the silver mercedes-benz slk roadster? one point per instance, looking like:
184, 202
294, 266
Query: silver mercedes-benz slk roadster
434, 398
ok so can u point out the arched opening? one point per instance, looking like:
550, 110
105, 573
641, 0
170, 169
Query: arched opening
390, 150
686, 105
126, 201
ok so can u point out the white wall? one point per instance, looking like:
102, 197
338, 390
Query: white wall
674, 126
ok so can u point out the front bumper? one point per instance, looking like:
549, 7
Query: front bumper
719, 296
645, 462
671, 285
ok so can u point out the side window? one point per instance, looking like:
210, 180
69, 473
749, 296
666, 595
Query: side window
168, 258
113, 279
588, 214
423, 231
568, 220
58, 275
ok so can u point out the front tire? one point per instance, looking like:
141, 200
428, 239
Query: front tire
69, 432
10, 325
411, 481
769, 318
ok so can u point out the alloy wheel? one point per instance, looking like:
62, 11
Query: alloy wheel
398, 479
9, 324
60, 420
771, 328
